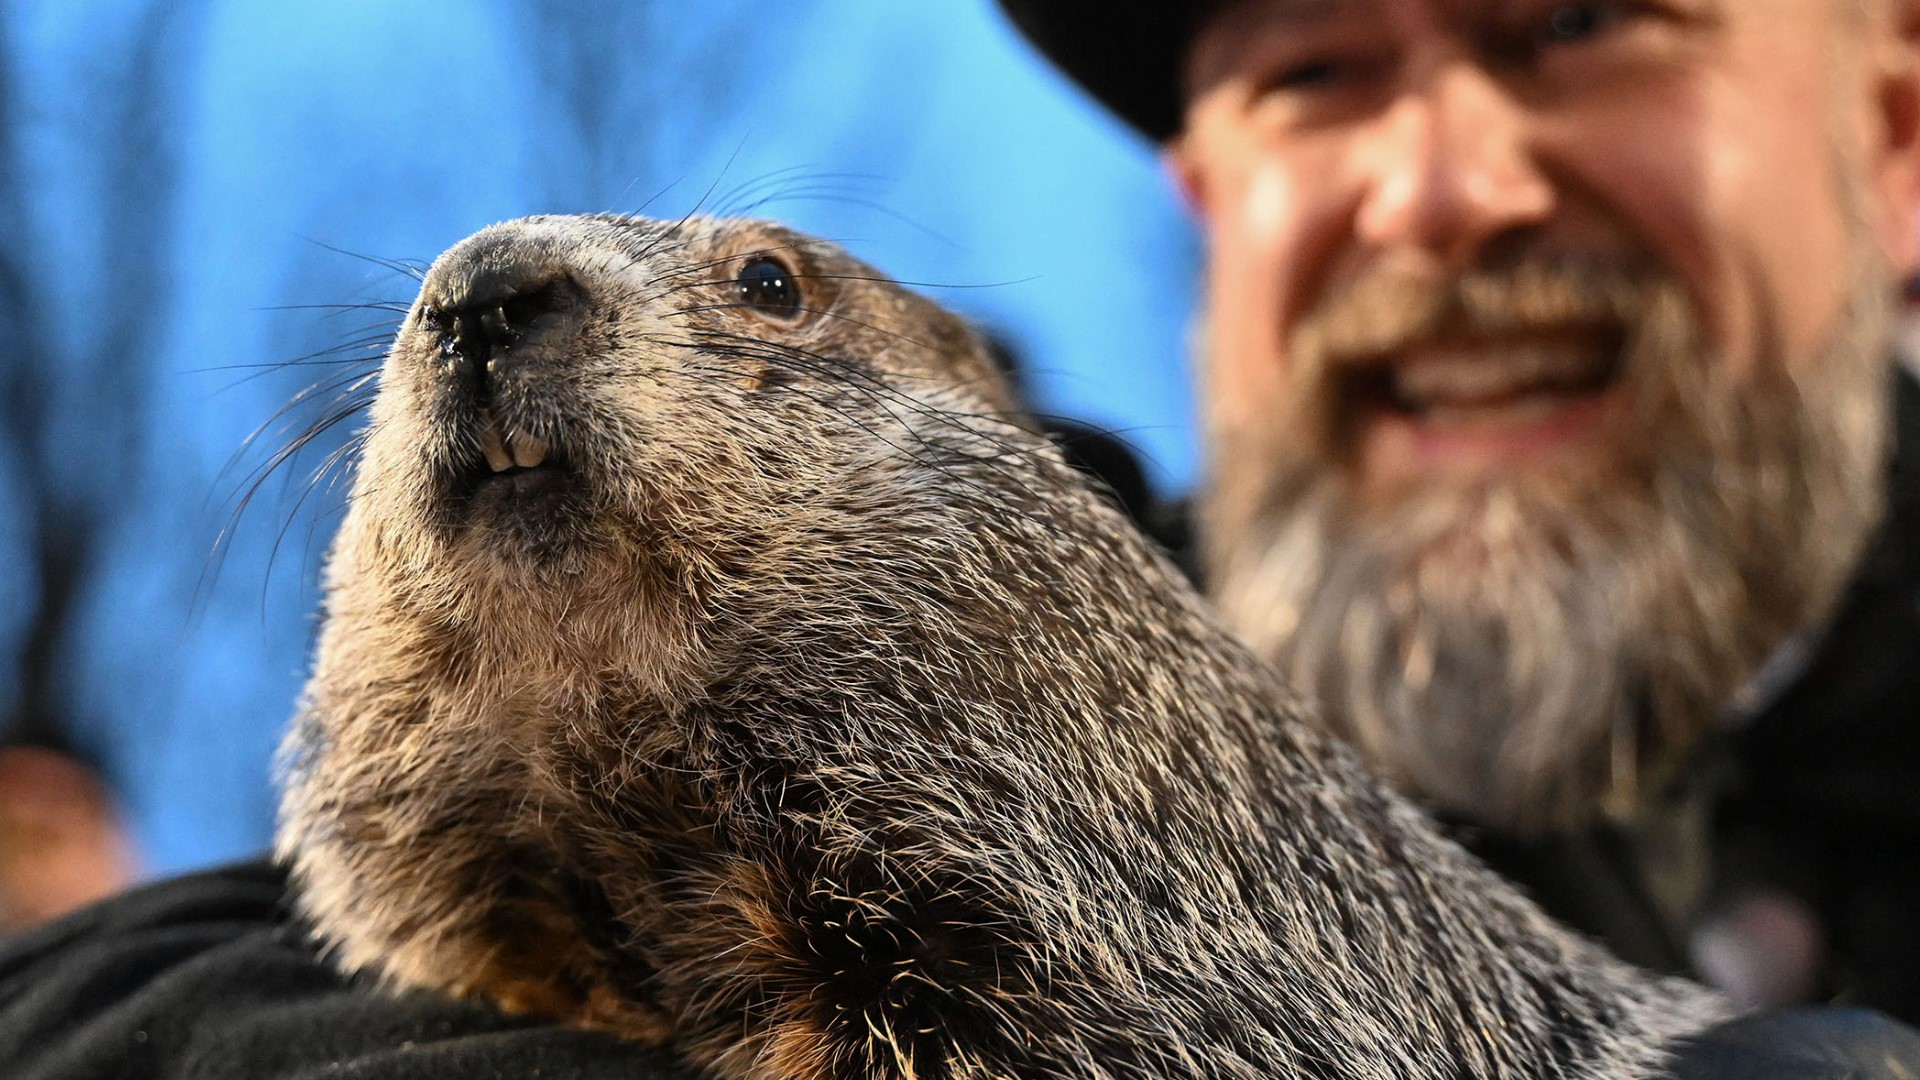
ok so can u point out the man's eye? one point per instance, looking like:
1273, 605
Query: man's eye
1569, 24
1303, 76
1314, 76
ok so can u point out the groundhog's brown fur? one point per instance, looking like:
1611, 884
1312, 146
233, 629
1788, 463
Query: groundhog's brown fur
805, 710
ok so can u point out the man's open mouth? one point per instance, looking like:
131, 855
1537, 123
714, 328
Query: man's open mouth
1479, 405
1461, 383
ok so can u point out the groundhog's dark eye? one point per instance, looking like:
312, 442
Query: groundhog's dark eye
766, 284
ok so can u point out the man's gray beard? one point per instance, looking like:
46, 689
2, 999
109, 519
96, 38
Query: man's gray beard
1541, 648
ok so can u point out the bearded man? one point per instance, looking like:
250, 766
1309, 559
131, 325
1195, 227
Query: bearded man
1552, 428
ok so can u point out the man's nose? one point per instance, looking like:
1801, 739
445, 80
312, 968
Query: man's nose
1450, 167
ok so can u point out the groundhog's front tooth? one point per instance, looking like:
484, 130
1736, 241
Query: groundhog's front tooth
527, 450
490, 443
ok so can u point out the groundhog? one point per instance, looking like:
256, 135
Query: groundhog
713, 654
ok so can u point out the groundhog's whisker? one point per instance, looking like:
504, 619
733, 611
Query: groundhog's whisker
730, 204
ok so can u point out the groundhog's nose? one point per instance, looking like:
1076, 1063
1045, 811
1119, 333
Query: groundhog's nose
484, 310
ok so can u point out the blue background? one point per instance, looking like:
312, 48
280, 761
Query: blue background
183, 182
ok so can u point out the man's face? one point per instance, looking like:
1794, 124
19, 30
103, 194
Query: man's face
1536, 330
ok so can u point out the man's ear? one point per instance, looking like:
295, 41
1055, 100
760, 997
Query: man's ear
1189, 179
1894, 150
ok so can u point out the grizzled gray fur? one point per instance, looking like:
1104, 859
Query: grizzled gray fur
712, 656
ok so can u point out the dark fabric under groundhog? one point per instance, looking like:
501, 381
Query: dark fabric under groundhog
208, 978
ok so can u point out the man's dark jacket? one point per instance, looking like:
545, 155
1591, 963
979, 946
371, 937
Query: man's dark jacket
1815, 798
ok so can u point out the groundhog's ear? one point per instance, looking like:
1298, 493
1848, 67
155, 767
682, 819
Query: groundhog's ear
997, 371
1005, 381
957, 353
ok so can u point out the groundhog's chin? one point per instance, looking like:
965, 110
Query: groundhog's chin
540, 513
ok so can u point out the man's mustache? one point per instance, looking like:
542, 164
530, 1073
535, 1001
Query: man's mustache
1388, 312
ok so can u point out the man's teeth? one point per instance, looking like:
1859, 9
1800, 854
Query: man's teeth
508, 449
1440, 378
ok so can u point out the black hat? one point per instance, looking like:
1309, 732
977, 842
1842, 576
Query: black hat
1127, 53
